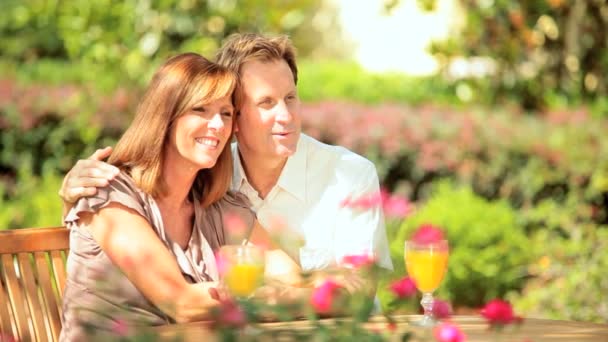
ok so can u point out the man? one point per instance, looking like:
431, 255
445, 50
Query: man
286, 175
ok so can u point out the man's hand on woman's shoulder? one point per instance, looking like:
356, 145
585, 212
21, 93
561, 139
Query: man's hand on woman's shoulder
86, 176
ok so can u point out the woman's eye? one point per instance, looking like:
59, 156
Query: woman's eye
229, 114
199, 109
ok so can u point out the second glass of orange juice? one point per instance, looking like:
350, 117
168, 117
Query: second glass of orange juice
426, 264
243, 270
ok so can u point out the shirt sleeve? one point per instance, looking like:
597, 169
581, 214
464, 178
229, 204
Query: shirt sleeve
362, 230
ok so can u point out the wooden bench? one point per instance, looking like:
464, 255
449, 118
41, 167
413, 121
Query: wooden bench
32, 279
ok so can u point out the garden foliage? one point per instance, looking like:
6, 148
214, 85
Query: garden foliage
489, 250
133, 36
493, 179
544, 177
543, 53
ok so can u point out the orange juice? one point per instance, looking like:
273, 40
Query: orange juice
243, 279
427, 267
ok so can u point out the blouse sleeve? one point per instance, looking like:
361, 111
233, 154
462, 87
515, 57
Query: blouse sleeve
120, 190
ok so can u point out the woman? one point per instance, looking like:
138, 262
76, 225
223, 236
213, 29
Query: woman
141, 249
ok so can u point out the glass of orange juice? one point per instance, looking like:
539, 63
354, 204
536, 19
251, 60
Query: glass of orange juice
426, 264
243, 269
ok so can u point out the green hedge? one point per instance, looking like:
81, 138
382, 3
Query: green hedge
350, 82
568, 276
489, 251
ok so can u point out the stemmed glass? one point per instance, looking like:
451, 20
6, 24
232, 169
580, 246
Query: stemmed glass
242, 269
426, 264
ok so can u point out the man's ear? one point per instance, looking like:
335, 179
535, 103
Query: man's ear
236, 122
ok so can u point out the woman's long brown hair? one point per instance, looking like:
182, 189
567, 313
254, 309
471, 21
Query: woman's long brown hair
181, 83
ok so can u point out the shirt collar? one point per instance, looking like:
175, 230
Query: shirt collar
292, 178
238, 177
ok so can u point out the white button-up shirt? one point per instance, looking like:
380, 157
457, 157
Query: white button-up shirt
308, 197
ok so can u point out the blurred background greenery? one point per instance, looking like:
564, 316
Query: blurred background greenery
510, 157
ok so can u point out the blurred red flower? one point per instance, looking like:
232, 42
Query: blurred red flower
427, 234
499, 312
324, 295
403, 288
441, 309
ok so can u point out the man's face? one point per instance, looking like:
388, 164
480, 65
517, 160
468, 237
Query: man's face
269, 123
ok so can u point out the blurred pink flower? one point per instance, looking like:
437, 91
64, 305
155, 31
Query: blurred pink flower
235, 225
447, 332
222, 263
403, 288
357, 260
427, 234
393, 205
363, 203
441, 309
120, 327
323, 296
499, 312
231, 314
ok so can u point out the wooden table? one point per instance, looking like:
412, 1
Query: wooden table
474, 327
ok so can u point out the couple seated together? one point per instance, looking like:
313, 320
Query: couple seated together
145, 227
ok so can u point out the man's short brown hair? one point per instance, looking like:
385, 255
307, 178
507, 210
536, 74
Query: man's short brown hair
241, 48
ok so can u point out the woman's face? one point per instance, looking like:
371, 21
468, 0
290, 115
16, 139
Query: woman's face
199, 136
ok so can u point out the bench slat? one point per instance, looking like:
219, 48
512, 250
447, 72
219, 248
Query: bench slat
15, 296
34, 240
51, 300
58, 270
31, 294
6, 325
